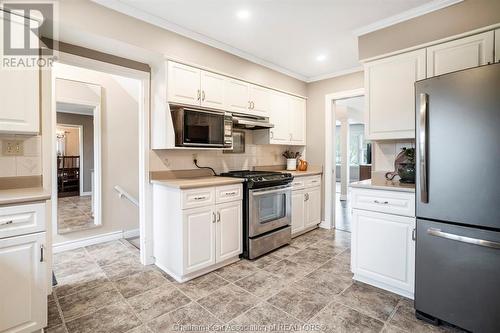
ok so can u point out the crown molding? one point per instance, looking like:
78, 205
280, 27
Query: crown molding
335, 74
139, 14
405, 16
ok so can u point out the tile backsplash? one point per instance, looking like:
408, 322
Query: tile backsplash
28, 164
255, 155
385, 153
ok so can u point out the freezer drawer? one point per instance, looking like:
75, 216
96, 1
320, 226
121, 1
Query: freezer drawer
457, 275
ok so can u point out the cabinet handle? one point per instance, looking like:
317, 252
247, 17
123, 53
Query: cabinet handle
218, 216
199, 198
7, 222
230, 193
249, 105
381, 202
198, 95
253, 105
213, 217
414, 234
42, 253
272, 134
203, 95
306, 196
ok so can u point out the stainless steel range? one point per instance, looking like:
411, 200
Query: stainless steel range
267, 201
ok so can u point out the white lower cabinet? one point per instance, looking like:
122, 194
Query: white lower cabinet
298, 211
191, 241
383, 248
199, 238
229, 230
306, 203
23, 287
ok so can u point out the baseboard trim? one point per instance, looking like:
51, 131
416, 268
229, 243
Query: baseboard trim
343, 197
324, 225
102, 238
85, 194
131, 233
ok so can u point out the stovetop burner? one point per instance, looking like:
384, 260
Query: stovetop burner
261, 178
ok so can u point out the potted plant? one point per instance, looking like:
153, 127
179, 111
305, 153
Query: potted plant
291, 159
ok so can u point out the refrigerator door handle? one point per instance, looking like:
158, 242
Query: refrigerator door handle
424, 102
463, 239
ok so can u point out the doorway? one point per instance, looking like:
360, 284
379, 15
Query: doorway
352, 155
123, 139
346, 153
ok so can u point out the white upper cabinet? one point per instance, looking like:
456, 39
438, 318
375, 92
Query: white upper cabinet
236, 93
279, 117
497, 45
19, 90
23, 289
212, 90
260, 99
390, 95
183, 84
297, 121
460, 54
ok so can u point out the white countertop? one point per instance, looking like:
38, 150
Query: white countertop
388, 185
196, 182
23, 195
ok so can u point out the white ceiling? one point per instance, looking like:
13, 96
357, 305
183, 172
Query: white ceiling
286, 35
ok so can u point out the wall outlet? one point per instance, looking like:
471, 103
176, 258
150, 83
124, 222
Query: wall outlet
12, 148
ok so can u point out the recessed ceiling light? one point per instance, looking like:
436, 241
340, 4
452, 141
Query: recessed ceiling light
243, 14
321, 57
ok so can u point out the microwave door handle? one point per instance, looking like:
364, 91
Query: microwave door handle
423, 143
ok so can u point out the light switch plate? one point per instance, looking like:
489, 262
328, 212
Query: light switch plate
12, 148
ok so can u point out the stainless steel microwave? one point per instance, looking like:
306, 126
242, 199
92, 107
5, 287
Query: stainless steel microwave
202, 128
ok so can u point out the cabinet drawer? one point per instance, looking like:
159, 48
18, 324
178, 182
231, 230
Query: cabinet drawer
391, 202
229, 193
298, 183
313, 181
22, 219
198, 197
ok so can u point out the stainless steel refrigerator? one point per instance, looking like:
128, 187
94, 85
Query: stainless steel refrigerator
458, 199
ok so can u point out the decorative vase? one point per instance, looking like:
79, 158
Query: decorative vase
291, 164
302, 165
406, 172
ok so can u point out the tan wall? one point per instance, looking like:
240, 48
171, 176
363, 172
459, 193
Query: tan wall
85, 17
119, 149
316, 92
459, 18
88, 143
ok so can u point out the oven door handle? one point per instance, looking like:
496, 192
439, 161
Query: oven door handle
278, 190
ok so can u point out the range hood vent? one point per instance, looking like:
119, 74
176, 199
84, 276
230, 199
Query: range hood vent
251, 123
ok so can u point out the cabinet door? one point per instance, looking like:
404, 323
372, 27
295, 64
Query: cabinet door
19, 90
183, 84
23, 286
298, 211
229, 234
236, 93
472, 51
260, 99
497, 45
279, 116
297, 121
313, 207
199, 238
390, 95
383, 249
212, 90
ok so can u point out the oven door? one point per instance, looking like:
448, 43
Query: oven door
269, 209
203, 128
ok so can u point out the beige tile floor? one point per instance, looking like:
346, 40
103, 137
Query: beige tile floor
74, 214
306, 286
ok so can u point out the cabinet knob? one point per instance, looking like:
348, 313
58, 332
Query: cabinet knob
213, 217
218, 216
